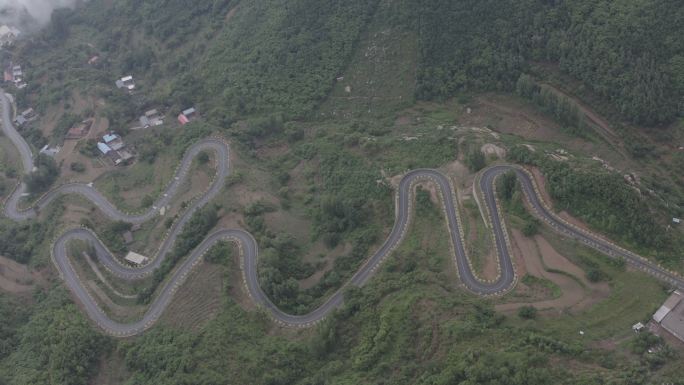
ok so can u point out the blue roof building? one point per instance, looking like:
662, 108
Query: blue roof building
103, 148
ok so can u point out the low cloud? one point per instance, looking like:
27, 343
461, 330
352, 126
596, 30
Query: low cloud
30, 13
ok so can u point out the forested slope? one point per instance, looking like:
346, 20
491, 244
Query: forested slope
237, 58
629, 52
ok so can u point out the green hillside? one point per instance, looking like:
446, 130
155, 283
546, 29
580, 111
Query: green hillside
237, 58
323, 101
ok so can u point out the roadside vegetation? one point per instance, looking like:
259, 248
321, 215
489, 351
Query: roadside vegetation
293, 86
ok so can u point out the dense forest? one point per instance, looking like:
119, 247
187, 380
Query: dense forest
629, 52
242, 58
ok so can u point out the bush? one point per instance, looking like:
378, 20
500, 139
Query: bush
527, 312
77, 167
46, 174
203, 157
475, 159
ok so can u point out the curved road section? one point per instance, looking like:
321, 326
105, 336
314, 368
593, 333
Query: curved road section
249, 249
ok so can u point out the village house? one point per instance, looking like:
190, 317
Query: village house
79, 131
671, 315
104, 149
50, 151
151, 118
20, 121
113, 141
14, 74
112, 146
29, 114
126, 82
187, 116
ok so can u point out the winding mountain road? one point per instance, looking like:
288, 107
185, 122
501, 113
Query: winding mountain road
249, 249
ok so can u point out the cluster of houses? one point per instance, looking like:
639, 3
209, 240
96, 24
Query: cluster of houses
153, 118
112, 147
15, 75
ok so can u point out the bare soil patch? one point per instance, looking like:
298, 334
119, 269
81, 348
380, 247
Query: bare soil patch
16, 278
490, 149
577, 292
231, 13
69, 154
507, 114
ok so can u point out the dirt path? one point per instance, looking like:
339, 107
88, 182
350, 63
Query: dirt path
595, 118
601, 125
539, 257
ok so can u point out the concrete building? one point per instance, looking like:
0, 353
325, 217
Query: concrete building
135, 258
126, 82
114, 141
671, 315
151, 118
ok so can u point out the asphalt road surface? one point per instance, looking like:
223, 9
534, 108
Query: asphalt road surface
250, 251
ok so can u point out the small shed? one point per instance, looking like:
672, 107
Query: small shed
20, 120
135, 258
187, 116
29, 114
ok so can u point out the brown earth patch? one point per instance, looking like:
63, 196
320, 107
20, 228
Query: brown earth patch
16, 278
490, 149
75, 211
198, 300
231, 13
69, 154
507, 114
404, 120
272, 151
111, 370
538, 257
113, 309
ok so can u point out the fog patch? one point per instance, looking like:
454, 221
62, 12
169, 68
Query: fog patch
30, 14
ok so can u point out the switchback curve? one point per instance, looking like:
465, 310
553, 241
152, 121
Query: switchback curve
249, 249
